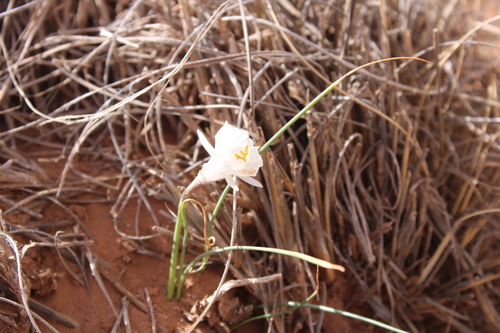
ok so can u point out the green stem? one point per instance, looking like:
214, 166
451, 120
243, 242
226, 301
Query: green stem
218, 206
184, 241
299, 115
345, 314
269, 315
175, 249
298, 255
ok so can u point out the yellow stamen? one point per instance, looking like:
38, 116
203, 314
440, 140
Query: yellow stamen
244, 154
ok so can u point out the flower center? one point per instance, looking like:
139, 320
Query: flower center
242, 154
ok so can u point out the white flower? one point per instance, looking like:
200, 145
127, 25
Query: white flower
235, 154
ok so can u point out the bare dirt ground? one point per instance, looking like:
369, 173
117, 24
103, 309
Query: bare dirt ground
96, 263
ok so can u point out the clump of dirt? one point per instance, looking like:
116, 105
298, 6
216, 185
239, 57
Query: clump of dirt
41, 280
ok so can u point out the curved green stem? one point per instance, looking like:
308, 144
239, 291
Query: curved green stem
269, 315
298, 255
345, 314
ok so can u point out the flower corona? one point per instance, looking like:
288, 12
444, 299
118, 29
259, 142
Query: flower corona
244, 154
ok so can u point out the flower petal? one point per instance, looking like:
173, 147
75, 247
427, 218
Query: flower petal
251, 181
230, 181
230, 139
211, 171
204, 142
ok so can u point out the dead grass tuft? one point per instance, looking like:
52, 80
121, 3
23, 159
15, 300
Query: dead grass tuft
394, 175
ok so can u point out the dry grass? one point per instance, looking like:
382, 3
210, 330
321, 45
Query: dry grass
394, 175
